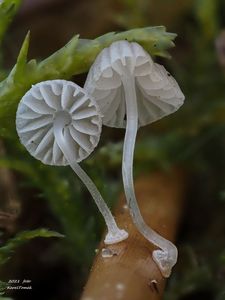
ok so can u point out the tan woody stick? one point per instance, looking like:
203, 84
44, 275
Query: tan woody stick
126, 271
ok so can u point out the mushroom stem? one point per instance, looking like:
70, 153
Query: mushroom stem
114, 234
166, 257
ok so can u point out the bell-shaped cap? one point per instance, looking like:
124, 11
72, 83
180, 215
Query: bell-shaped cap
158, 93
79, 113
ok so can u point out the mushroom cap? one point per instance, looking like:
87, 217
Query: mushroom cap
158, 93
38, 109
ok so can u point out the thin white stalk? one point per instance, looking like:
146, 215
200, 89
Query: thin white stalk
114, 234
167, 257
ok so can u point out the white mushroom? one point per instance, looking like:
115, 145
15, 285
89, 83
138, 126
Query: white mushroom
132, 91
59, 124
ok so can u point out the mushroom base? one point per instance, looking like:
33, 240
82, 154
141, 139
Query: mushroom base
119, 236
164, 263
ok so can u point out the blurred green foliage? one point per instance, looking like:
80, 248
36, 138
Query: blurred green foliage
8, 9
206, 13
3, 286
74, 58
7, 250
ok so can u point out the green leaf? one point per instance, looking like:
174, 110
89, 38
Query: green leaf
74, 58
7, 250
22, 59
8, 8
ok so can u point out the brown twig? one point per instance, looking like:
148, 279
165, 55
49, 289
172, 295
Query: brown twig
126, 271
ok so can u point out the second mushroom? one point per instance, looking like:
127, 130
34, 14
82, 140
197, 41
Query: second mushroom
133, 91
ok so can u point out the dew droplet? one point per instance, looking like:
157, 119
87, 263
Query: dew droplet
106, 253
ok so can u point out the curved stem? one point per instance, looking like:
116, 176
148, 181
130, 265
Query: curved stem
114, 233
167, 258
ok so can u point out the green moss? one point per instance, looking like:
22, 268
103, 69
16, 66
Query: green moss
74, 58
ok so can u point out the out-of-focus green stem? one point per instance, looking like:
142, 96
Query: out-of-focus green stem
8, 8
